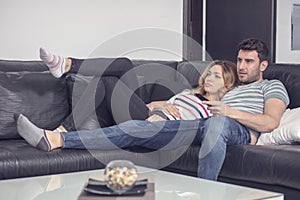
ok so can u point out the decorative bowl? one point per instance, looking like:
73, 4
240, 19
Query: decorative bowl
120, 175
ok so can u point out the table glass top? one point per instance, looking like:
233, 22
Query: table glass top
167, 186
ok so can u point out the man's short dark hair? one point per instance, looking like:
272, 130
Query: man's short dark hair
257, 45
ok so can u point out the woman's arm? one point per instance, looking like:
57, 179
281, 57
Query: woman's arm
156, 104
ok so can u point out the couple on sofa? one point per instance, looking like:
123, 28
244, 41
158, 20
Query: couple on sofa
243, 113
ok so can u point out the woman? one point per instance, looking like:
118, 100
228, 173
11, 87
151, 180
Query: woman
125, 79
218, 78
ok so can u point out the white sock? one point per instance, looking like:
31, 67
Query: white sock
58, 130
56, 64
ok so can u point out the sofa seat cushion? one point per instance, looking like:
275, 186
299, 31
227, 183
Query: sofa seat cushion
271, 165
267, 164
19, 159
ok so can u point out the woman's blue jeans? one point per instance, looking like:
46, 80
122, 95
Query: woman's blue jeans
213, 134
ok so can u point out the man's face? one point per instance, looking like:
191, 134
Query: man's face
249, 68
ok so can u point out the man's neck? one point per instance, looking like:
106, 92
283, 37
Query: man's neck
246, 83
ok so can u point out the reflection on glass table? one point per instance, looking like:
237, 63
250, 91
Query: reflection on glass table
167, 186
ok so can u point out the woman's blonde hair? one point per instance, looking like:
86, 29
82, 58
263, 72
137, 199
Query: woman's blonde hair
229, 72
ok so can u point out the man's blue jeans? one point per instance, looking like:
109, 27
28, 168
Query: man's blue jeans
213, 134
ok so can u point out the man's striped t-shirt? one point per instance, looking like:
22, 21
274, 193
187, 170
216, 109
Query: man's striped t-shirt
251, 97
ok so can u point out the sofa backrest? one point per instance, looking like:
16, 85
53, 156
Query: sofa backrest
163, 79
188, 73
289, 75
27, 87
18, 65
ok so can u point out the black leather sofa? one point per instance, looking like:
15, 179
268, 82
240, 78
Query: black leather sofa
27, 87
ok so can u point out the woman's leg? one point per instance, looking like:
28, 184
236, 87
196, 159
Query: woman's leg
122, 68
111, 100
121, 102
59, 65
119, 67
86, 105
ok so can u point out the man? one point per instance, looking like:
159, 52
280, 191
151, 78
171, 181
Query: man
239, 118
250, 106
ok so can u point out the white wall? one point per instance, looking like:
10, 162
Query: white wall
284, 54
89, 28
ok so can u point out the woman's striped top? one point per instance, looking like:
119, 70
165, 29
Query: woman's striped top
190, 107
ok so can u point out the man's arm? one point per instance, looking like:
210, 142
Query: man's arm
266, 122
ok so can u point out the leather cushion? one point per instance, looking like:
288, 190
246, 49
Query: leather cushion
189, 72
148, 72
37, 95
19, 65
164, 89
289, 75
268, 164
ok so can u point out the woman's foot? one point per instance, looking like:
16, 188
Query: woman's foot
37, 137
58, 65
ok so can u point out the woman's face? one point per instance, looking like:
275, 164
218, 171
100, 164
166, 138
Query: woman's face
214, 81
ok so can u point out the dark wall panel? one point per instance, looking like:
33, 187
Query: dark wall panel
192, 22
227, 23
230, 21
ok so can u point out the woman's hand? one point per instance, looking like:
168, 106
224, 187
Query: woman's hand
156, 104
168, 108
171, 109
155, 118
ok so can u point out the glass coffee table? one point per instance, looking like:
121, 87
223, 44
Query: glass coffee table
167, 186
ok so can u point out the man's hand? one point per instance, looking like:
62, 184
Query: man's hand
217, 108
